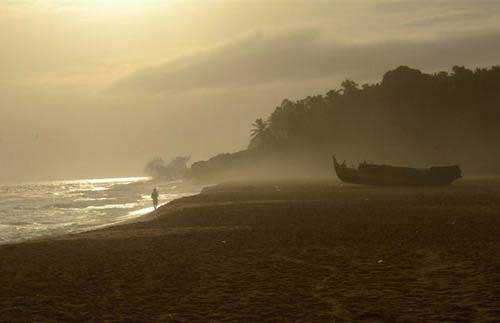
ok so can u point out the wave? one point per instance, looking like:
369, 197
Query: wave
46, 209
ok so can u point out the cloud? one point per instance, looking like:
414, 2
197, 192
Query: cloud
435, 14
306, 54
403, 6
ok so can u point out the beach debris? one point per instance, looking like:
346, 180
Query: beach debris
380, 261
223, 241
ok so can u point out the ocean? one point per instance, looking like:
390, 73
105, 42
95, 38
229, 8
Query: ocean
52, 208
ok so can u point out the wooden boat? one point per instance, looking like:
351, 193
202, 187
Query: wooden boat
372, 174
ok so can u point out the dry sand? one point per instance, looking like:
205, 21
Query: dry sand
287, 251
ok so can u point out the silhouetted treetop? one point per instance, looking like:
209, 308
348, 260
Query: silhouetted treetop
409, 117
408, 110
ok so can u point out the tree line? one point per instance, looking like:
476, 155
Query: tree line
410, 118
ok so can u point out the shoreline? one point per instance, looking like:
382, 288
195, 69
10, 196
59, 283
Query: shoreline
243, 185
140, 218
267, 251
53, 210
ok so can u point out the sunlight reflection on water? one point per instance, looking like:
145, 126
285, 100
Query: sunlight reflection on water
32, 210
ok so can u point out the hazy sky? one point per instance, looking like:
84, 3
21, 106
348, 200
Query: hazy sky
95, 88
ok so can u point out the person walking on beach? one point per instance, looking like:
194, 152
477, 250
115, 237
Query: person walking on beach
154, 196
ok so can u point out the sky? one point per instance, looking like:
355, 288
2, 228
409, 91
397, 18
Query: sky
96, 88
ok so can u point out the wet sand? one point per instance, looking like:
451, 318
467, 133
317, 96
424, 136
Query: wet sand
276, 251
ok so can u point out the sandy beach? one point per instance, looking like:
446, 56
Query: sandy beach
303, 251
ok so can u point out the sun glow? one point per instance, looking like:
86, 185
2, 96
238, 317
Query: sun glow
102, 7
116, 6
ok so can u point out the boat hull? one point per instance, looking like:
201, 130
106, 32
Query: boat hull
385, 175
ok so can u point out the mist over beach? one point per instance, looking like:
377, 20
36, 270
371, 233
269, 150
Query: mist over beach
128, 80
249, 161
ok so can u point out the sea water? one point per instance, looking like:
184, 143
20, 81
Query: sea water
44, 209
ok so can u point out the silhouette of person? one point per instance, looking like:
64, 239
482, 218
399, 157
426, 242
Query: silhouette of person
154, 196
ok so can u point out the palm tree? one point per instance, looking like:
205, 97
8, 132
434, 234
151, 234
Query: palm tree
259, 126
258, 133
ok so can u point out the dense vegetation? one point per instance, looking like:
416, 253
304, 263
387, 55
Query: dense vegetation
409, 118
